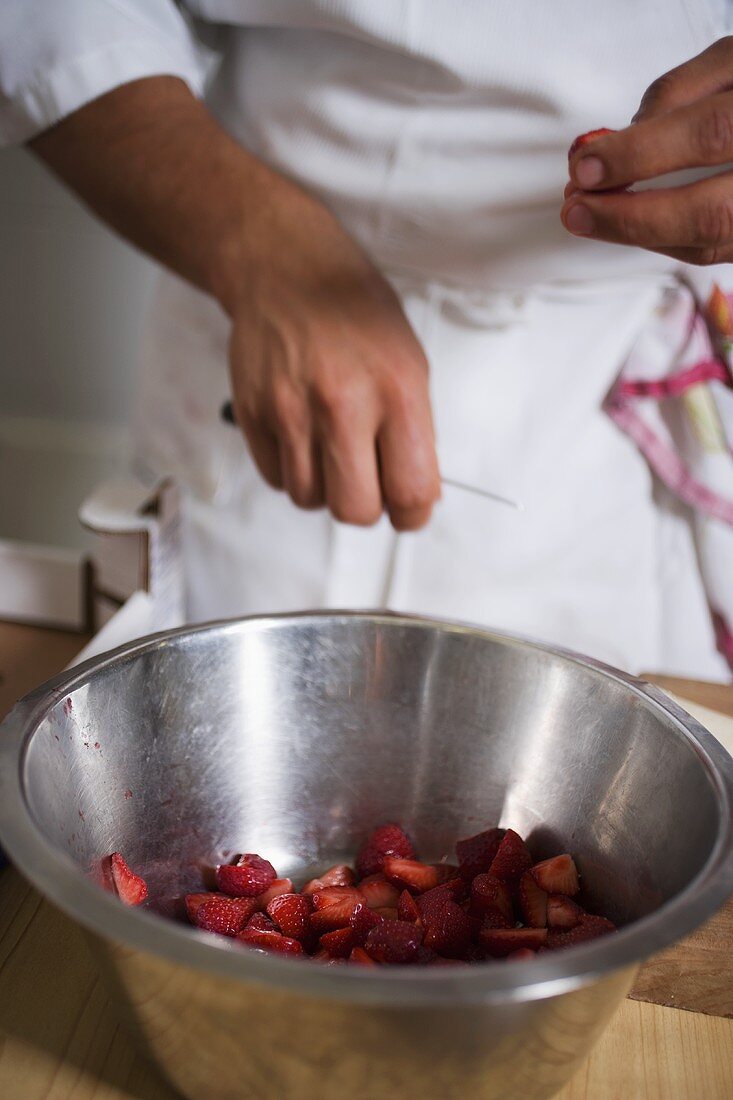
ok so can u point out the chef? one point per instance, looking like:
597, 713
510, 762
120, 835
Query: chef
359, 208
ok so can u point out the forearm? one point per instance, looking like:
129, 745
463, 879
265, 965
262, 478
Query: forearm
152, 162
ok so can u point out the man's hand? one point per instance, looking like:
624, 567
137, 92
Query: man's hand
330, 384
685, 121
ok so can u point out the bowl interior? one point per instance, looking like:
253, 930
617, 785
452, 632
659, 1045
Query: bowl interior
294, 737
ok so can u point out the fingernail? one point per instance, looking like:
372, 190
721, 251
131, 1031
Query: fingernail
579, 220
589, 171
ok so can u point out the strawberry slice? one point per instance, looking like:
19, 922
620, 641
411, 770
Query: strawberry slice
334, 907
339, 875
491, 897
436, 898
249, 876
359, 955
193, 903
407, 907
260, 922
387, 840
563, 912
448, 931
557, 875
476, 853
378, 892
291, 914
585, 139
362, 920
512, 858
410, 874
590, 928
447, 872
532, 902
521, 953
495, 919
225, 915
280, 886
504, 941
396, 942
340, 943
269, 941
131, 888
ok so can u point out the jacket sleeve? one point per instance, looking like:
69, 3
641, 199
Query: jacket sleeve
56, 56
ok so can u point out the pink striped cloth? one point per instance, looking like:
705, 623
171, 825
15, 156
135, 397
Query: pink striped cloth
674, 398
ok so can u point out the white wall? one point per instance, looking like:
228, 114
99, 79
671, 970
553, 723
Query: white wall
72, 300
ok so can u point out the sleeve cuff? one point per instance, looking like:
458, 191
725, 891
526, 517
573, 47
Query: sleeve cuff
50, 96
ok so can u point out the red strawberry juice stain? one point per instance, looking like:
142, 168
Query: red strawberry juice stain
68, 706
128, 794
97, 745
81, 814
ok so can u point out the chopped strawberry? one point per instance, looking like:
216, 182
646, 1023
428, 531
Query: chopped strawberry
394, 942
448, 931
386, 912
249, 876
585, 139
489, 895
493, 918
589, 929
330, 895
340, 943
362, 920
410, 874
339, 875
512, 858
476, 853
270, 941
407, 907
521, 953
193, 903
223, 914
447, 872
131, 888
436, 898
532, 902
563, 912
291, 914
558, 875
359, 955
378, 892
280, 886
334, 907
387, 840
260, 922
504, 941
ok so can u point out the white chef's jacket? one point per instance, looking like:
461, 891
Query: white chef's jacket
437, 131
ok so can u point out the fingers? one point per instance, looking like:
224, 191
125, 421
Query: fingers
298, 451
265, 450
693, 136
408, 463
707, 73
698, 218
345, 422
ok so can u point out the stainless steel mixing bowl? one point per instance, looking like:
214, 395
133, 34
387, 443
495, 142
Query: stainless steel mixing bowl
293, 736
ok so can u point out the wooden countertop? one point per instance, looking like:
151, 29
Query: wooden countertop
59, 1039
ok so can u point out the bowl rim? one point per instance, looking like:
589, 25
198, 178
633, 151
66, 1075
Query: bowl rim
60, 879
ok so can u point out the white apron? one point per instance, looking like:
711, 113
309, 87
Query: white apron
438, 132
